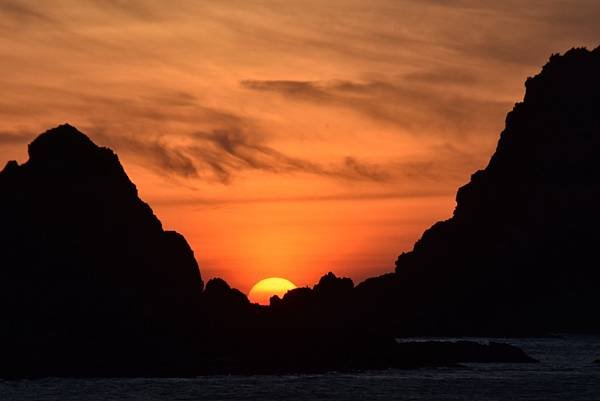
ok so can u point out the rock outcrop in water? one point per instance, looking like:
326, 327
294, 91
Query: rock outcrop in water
87, 271
438, 353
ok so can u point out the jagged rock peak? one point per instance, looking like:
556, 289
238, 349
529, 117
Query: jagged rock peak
73, 204
63, 142
564, 75
69, 151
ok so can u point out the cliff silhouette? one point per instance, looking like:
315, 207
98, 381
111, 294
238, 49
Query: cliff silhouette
85, 263
519, 253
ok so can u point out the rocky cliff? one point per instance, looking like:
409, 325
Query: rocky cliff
520, 248
85, 262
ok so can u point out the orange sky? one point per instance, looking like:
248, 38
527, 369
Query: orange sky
283, 138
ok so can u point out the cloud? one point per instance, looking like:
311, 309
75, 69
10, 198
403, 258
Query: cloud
220, 155
20, 12
443, 75
312, 91
363, 196
227, 144
415, 107
130, 8
227, 152
156, 154
354, 168
11, 138
223, 145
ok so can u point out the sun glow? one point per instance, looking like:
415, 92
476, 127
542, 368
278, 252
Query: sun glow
262, 291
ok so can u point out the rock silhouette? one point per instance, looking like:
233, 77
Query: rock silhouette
329, 304
436, 353
225, 309
518, 255
85, 263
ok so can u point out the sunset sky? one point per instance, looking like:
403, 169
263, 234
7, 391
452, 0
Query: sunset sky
284, 138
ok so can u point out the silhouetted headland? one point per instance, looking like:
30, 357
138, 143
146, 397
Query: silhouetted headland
91, 284
518, 255
88, 273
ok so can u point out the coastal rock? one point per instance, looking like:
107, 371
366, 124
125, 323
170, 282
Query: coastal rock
454, 352
226, 308
516, 256
87, 270
328, 304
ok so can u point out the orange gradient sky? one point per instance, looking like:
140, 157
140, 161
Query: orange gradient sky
283, 138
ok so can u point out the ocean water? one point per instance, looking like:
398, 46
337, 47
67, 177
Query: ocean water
567, 372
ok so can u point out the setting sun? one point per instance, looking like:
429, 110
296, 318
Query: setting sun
262, 291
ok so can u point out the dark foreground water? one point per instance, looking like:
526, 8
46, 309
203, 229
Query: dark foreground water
566, 373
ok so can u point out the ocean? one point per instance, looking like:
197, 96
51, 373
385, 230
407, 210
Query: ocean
566, 372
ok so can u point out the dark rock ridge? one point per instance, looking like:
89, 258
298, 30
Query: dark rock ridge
519, 253
226, 310
328, 304
85, 263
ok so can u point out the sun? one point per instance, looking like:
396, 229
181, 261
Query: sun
266, 288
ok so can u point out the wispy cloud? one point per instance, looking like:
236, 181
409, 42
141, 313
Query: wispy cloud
229, 151
155, 153
21, 12
14, 138
345, 197
412, 106
220, 155
142, 10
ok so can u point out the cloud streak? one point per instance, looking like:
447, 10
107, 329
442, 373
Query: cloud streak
220, 155
230, 151
346, 197
417, 108
10, 138
20, 12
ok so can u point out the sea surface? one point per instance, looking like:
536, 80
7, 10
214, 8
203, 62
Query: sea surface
566, 372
